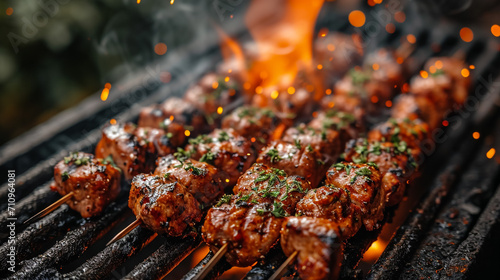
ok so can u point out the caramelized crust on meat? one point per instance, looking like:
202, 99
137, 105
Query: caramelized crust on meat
325, 141
437, 88
163, 205
172, 114
318, 243
346, 124
201, 179
249, 222
226, 150
335, 204
256, 124
363, 183
452, 66
394, 161
385, 67
412, 133
94, 183
290, 106
135, 150
352, 105
297, 159
212, 92
414, 107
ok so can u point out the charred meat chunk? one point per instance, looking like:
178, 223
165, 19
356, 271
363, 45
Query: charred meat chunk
296, 159
225, 149
174, 115
249, 221
94, 182
164, 205
320, 250
362, 181
201, 179
346, 124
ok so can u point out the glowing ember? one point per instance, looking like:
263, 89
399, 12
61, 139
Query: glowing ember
172, 2
357, 18
424, 74
378, 1
138, 1
388, 103
187, 132
9, 11
490, 153
160, 49
411, 38
400, 60
220, 110
439, 64
495, 30
400, 17
390, 28
328, 91
105, 92
465, 72
466, 34
291, 90
445, 123
375, 66
472, 66
112, 121
374, 99
375, 250
476, 135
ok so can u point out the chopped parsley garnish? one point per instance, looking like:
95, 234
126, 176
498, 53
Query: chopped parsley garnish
209, 157
278, 210
166, 175
224, 200
358, 77
181, 154
64, 176
223, 136
309, 148
195, 170
274, 154
297, 144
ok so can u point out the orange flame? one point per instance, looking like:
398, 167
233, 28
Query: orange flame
232, 54
284, 41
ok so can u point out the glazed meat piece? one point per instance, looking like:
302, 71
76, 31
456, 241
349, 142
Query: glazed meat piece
296, 159
95, 183
385, 67
335, 204
412, 133
394, 161
172, 114
249, 222
325, 141
337, 52
256, 124
164, 205
363, 181
201, 179
361, 83
224, 149
349, 104
436, 87
320, 250
413, 107
212, 92
135, 150
452, 66
346, 124
289, 106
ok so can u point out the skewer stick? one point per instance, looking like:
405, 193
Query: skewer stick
204, 272
124, 232
284, 266
51, 207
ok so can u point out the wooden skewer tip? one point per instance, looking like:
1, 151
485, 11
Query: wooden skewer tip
284, 266
50, 208
213, 261
124, 232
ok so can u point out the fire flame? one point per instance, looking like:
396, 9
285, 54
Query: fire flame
283, 40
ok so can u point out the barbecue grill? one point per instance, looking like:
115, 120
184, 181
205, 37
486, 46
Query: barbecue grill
447, 228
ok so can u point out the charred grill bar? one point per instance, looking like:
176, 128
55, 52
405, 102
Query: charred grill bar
451, 231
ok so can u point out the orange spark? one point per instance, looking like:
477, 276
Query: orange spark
466, 34
357, 18
9, 11
490, 153
495, 30
411, 38
160, 49
476, 135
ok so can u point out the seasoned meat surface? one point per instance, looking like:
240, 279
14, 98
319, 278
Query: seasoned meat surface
344, 123
163, 205
319, 247
95, 183
402, 133
212, 92
256, 124
363, 183
201, 179
325, 141
335, 204
414, 107
226, 150
249, 222
135, 150
296, 159
289, 105
350, 104
172, 114
394, 161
